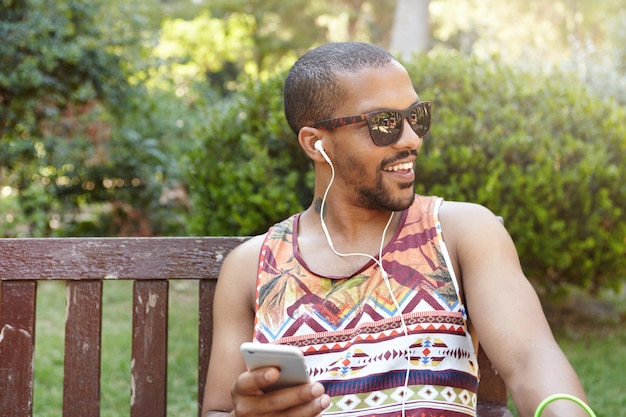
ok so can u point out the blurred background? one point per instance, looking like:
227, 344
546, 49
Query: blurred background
159, 118
146, 118
163, 118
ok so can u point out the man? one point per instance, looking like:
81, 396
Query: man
387, 293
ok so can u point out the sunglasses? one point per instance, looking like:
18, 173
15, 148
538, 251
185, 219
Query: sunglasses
386, 125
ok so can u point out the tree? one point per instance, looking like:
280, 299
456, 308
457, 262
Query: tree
411, 32
66, 128
284, 30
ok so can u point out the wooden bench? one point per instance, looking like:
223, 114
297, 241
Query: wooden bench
152, 264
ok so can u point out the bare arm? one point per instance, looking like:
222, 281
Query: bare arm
506, 313
230, 389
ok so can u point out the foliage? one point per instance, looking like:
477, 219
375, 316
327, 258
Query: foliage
92, 129
286, 29
248, 170
72, 160
604, 72
534, 30
539, 150
587, 38
85, 149
234, 37
52, 54
205, 49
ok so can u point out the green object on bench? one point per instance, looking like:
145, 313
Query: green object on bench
151, 263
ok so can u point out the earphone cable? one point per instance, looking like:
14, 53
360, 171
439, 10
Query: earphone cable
385, 276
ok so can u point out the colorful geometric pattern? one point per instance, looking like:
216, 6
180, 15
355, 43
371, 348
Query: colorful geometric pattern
351, 332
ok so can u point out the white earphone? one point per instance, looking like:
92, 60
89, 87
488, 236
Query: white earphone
318, 145
320, 148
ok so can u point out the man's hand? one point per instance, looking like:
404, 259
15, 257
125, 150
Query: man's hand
298, 401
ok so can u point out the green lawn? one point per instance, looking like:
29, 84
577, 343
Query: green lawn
598, 353
600, 361
116, 349
593, 336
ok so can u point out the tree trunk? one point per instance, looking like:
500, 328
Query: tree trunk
410, 32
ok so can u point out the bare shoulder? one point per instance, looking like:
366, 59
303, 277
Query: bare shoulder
239, 270
247, 251
463, 222
459, 211
476, 238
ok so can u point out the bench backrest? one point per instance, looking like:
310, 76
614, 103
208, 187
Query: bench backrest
84, 263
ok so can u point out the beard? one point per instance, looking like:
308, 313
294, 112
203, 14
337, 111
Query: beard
377, 195
383, 198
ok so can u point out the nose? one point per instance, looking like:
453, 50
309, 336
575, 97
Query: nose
408, 138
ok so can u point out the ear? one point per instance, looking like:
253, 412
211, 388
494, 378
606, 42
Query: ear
307, 138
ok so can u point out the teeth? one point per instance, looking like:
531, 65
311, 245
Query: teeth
406, 165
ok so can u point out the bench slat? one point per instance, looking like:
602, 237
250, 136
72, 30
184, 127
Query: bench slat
492, 410
149, 363
115, 258
84, 263
17, 346
83, 327
205, 334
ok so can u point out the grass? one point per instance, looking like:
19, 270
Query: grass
595, 346
592, 334
600, 361
116, 349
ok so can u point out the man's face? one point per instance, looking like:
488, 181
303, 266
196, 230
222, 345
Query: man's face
375, 177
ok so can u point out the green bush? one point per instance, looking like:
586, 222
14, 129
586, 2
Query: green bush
249, 170
539, 150
85, 149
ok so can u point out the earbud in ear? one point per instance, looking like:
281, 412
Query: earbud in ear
318, 145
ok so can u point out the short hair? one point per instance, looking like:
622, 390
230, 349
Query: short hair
312, 91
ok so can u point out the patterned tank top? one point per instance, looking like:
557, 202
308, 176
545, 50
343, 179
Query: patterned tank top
371, 361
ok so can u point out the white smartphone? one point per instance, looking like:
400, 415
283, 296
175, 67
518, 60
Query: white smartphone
289, 359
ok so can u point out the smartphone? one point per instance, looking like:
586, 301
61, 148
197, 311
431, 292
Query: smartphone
289, 359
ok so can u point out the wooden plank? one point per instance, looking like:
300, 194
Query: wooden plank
205, 335
144, 259
492, 410
17, 346
149, 361
115, 258
83, 329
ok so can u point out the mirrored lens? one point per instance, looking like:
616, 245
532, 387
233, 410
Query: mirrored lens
385, 127
420, 120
